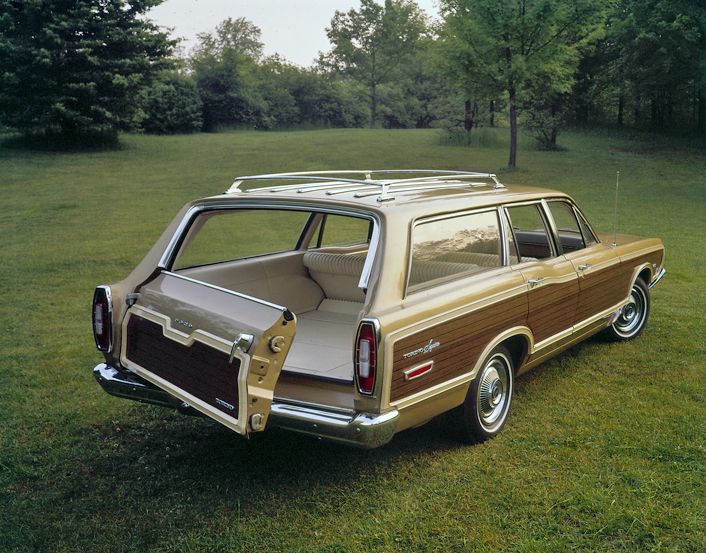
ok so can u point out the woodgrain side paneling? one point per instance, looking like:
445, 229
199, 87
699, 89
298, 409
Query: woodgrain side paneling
604, 288
552, 307
197, 369
461, 341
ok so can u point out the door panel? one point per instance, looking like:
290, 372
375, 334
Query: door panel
209, 347
553, 293
602, 282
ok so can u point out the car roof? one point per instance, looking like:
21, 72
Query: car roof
428, 192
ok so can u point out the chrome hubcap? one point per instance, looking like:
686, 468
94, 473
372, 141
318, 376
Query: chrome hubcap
632, 314
494, 391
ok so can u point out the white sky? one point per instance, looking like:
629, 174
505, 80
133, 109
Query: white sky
295, 29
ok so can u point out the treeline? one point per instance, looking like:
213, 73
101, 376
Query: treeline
82, 70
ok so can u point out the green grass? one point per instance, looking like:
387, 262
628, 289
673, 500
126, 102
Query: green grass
604, 450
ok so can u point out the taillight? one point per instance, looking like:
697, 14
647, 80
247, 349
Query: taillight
102, 318
365, 357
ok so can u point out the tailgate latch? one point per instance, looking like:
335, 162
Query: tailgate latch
242, 342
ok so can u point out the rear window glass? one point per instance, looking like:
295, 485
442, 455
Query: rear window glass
454, 247
228, 235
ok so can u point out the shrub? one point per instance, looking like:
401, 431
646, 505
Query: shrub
170, 105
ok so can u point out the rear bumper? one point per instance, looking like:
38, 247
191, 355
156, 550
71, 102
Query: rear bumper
364, 430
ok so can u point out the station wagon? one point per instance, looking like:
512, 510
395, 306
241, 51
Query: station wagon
352, 305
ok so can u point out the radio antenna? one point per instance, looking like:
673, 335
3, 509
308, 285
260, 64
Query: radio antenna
615, 211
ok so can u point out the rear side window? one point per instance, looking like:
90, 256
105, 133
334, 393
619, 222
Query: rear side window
227, 235
341, 230
454, 247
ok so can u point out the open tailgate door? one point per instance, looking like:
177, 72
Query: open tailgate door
217, 350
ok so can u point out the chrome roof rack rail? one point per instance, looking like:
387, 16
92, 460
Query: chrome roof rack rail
333, 183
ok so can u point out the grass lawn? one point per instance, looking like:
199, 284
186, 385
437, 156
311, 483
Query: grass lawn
605, 448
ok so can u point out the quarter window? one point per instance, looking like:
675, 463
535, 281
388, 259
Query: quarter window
454, 247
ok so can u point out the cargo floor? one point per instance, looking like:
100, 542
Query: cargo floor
323, 345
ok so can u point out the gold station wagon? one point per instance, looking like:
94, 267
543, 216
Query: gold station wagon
351, 305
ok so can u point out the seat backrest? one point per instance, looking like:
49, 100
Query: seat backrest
337, 274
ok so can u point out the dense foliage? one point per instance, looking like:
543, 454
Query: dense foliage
82, 69
70, 70
170, 105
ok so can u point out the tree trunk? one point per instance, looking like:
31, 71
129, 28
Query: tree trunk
475, 114
621, 109
467, 116
373, 92
636, 112
555, 125
492, 113
512, 161
701, 125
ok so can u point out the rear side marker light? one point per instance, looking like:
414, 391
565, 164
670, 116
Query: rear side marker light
366, 357
419, 370
103, 318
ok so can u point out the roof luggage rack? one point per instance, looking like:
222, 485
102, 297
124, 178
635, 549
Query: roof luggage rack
336, 182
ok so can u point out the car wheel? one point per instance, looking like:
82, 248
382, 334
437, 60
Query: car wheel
632, 318
487, 403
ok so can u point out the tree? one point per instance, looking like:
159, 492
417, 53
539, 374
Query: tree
225, 68
376, 45
504, 45
239, 35
170, 105
70, 70
657, 45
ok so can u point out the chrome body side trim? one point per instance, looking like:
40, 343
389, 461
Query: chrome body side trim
657, 278
365, 430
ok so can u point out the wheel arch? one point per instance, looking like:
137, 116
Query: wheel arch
518, 340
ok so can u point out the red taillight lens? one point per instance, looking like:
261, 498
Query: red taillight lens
102, 318
365, 349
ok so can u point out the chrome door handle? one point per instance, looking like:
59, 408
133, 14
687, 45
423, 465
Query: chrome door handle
535, 281
584, 266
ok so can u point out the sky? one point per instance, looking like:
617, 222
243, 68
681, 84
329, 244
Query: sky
295, 29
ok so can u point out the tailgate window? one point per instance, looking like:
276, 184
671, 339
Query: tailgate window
228, 235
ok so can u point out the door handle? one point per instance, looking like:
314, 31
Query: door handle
535, 281
584, 266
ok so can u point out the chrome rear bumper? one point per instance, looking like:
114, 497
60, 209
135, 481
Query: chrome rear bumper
364, 430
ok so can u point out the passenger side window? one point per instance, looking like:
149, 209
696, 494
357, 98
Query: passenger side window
530, 230
457, 246
340, 230
567, 226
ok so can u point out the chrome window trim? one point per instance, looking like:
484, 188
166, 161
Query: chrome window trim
168, 256
443, 217
549, 220
582, 217
543, 216
575, 211
504, 257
